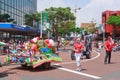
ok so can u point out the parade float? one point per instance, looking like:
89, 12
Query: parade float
36, 52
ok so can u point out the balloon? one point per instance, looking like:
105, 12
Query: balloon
34, 47
49, 45
47, 41
52, 42
38, 38
34, 40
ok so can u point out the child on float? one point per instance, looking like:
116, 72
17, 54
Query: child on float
20, 55
14, 50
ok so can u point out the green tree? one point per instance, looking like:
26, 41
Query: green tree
91, 29
29, 18
65, 27
6, 18
115, 21
62, 18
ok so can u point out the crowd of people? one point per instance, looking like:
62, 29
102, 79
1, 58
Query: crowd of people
79, 45
13, 44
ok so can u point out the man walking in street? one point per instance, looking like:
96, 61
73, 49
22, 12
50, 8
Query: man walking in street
108, 47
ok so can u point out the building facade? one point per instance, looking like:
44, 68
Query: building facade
88, 25
105, 16
18, 8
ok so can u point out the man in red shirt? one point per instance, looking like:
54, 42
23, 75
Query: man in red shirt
78, 48
108, 48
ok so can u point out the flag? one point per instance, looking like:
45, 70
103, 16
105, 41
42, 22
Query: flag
44, 17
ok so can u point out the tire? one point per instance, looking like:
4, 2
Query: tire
24, 65
88, 56
46, 65
73, 55
84, 53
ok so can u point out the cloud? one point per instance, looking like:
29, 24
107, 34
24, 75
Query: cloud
89, 10
41, 5
94, 10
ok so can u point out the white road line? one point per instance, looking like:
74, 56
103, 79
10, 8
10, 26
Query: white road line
98, 54
80, 73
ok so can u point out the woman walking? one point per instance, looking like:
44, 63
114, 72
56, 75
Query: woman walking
78, 48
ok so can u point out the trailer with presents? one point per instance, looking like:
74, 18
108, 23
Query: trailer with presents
36, 52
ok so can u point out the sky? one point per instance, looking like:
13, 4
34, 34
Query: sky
91, 10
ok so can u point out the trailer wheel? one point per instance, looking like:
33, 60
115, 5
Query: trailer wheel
24, 65
88, 55
46, 65
72, 55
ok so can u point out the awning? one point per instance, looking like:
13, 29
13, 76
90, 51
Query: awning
11, 27
36, 30
18, 30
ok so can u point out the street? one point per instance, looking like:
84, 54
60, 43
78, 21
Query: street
93, 69
59, 40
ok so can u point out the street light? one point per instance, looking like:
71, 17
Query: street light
75, 11
103, 25
41, 27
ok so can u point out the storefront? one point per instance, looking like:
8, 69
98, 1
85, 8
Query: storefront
8, 30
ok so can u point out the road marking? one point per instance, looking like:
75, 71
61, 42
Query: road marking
98, 54
80, 73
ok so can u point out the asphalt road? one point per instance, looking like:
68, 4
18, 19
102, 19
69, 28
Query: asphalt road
93, 69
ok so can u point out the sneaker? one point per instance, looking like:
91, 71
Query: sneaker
79, 69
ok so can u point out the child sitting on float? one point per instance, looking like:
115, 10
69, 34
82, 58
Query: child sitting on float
14, 51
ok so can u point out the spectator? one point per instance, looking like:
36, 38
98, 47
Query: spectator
88, 42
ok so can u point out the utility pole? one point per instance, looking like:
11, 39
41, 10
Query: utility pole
75, 11
41, 27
